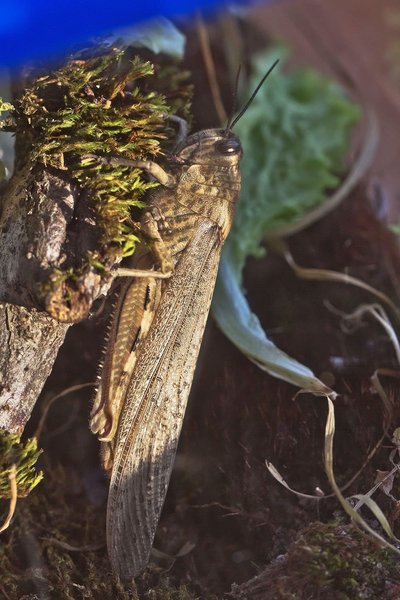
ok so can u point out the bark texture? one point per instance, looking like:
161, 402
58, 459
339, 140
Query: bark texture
29, 342
44, 225
38, 207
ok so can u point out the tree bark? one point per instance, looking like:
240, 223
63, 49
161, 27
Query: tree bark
44, 225
29, 342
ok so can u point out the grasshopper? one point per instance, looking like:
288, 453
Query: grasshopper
157, 330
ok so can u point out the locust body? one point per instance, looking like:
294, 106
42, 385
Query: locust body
156, 335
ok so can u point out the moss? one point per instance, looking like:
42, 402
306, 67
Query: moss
112, 104
165, 590
24, 456
56, 548
105, 106
334, 561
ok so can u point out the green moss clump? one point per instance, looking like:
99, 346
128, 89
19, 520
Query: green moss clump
334, 561
107, 105
112, 103
4, 107
24, 456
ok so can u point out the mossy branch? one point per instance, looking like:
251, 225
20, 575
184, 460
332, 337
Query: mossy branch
65, 222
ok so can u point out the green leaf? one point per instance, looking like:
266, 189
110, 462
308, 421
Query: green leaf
294, 135
243, 329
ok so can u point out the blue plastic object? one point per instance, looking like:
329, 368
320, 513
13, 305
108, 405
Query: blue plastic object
44, 29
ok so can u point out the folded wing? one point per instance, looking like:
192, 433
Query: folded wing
154, 408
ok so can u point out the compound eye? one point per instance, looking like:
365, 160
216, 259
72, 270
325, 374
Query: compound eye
228, 146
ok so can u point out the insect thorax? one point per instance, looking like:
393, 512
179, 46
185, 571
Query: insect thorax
209, 192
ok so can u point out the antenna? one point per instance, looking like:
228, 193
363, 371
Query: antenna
254, 94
